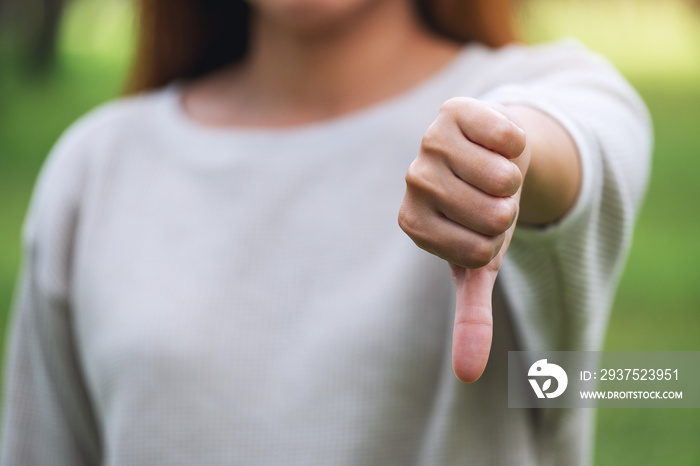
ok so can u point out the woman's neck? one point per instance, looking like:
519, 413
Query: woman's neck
292, 77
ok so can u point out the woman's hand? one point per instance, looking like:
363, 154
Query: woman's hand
461, 204
463, 197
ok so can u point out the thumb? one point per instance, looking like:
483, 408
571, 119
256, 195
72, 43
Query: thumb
473, 325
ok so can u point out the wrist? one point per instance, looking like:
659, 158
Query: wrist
550, 165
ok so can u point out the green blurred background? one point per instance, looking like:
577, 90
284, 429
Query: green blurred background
656, 44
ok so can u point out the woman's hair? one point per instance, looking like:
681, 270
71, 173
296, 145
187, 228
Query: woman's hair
188, 38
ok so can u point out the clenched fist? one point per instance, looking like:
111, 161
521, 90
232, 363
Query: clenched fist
461, 204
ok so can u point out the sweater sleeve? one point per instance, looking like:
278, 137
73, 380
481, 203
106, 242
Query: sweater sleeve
560, 280
47, 414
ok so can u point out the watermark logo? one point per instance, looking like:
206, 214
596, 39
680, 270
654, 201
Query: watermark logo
542, 369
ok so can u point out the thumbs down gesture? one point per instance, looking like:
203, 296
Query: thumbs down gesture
461, 204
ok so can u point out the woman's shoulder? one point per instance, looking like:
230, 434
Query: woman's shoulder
104, 131
558, 49
564, 62
523, 61
118, 117
89, 144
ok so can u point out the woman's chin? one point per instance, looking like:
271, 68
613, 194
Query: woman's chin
312, 17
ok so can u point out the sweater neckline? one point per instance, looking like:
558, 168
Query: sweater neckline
454, 71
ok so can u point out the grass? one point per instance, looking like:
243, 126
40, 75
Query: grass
656, 44
658, 301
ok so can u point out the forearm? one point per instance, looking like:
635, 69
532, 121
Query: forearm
550, 165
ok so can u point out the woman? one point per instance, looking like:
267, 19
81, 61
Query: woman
215, 275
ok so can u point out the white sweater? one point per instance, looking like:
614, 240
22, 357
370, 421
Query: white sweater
200, 296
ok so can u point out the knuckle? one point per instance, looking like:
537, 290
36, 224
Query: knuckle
506, 180
433, 140
450, 105
409, 221
406, 219
500, 182
508, 137
504, 131
504, 211
421, 179
421, 240
516, 179
414, 225
456, 105
417, 176
480, 253
520, 141
500, 129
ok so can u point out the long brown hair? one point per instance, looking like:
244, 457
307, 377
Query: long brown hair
188, 38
